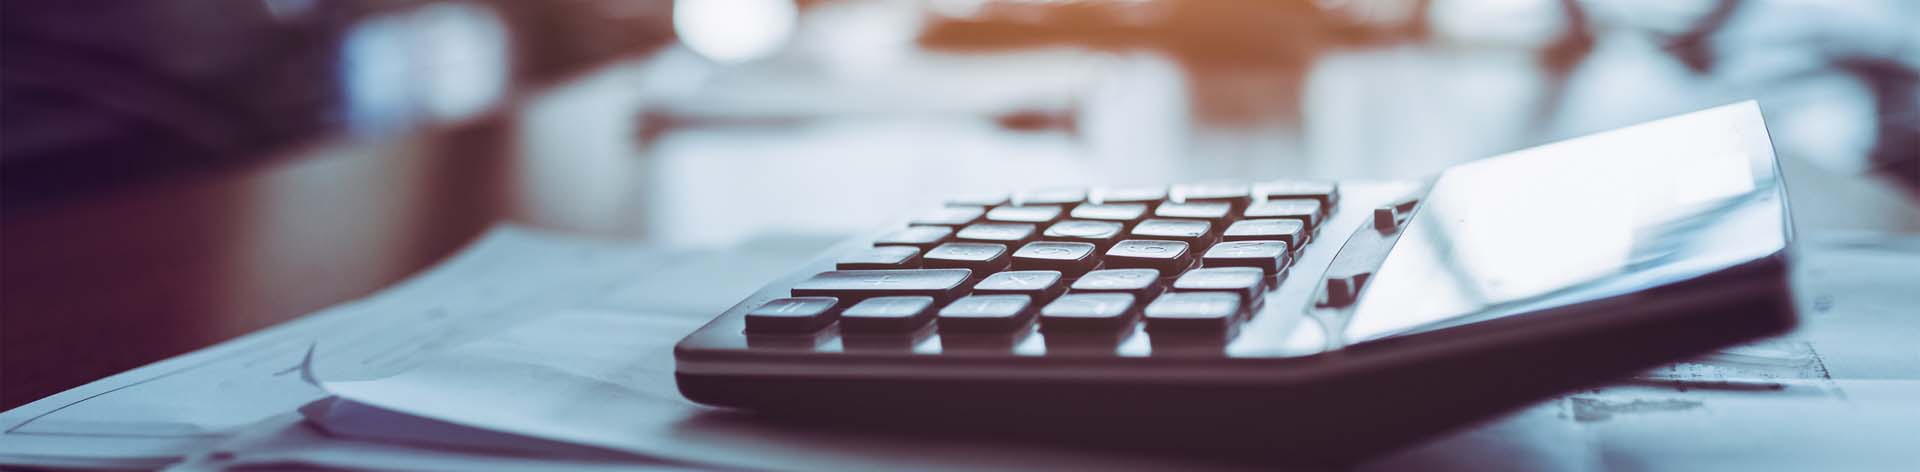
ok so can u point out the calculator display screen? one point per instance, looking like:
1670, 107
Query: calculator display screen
1582, 219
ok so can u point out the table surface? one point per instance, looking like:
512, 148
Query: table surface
110, 280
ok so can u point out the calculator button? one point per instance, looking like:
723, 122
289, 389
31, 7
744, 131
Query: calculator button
1328, 193
1140, 283
1089, 313
1247, 282
1053, 196
1270, 257
853, 285
1305, 210
1235, 194
792, 315
923, 237
1123, 213
1168, 257
981, 258
1196, 233
1069, 258
1388, 218
1037, 214
986, 314
881, 315
1288, 230
1011, 234
1145, 195
1040, 285
1216, 212
1101, 234
881, 257
983, 200
1343, 290
1211, 313
949, 216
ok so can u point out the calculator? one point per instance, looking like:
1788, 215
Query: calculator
1324, 320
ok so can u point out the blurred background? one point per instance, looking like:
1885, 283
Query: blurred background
176, 173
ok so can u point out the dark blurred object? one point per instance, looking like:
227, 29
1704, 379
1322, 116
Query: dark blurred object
100, 92
152, 86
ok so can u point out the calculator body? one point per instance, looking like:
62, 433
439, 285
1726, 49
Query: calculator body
1410, 309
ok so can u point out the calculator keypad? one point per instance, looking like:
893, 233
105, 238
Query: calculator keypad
1179, 263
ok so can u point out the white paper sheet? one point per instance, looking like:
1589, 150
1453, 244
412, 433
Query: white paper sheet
1845, 425
605, 378
289, 440
155, 414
